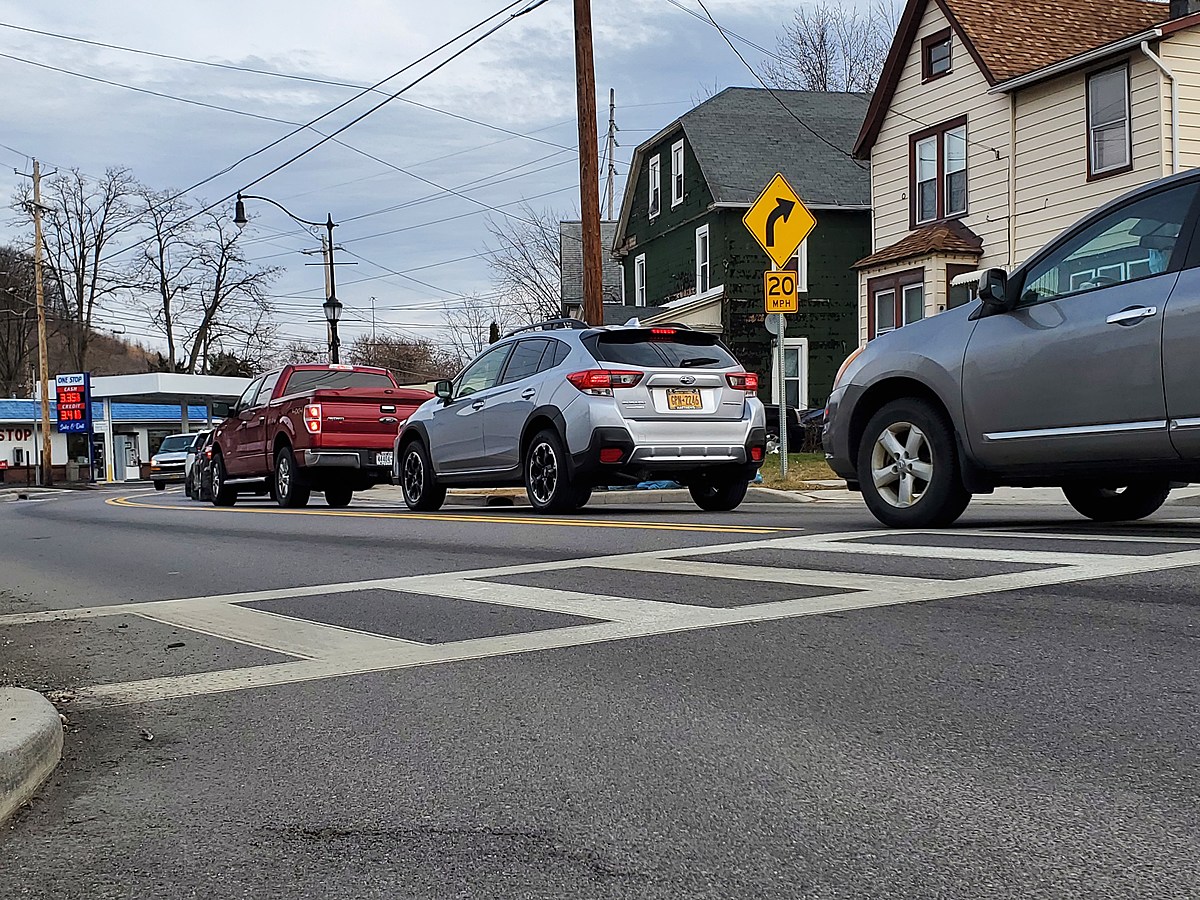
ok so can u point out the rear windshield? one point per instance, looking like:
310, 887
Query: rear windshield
176, 443
667, 349
308, 380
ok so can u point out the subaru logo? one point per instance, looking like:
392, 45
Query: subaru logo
687, 379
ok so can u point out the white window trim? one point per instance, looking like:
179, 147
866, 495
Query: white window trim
639, 280
945, 186
776, 383
654, 176
917, 182
1128, 121
801, 257
676, 176
875, 300
702, 231
904, 304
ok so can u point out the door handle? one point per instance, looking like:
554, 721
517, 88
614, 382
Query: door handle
528, 393
478, 404
261, 419
1132, 315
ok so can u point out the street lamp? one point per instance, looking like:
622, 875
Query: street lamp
332, 306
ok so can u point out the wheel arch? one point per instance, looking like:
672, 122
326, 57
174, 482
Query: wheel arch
880, 394
541, 419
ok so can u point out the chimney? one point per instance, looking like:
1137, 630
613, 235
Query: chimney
1181, 8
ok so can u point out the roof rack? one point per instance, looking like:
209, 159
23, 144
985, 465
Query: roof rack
550, 325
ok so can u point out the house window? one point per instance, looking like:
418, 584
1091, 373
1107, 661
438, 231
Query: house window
798, 264
677, 174
639, 281
938, 172
655, 187
962, 294
1108, 116
894, 301
795, 373
935, 55
703, 282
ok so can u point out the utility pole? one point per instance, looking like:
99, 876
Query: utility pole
589, 166
326, 255
43, 357
372, 324
610, 149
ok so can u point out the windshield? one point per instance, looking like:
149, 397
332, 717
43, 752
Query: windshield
308, 380
655, 348
177, 443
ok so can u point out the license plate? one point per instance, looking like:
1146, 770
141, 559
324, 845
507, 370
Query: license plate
383, 459
687, 399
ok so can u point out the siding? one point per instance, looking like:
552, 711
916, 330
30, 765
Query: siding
917, 106
1051, 173
1181, 53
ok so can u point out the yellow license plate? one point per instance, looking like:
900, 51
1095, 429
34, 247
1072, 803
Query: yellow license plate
684, 400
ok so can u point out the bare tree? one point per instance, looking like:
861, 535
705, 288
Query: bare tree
18, 321
165, 269
469, 324
82, 218
413, 361
526, 263
834, 47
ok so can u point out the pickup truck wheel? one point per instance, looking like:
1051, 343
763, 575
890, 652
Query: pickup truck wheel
719, 496
1117, 504
422, 493
291, 487
160, 485
222, 494
908, 467
339, 496
548, 481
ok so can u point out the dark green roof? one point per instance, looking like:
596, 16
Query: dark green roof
743, 136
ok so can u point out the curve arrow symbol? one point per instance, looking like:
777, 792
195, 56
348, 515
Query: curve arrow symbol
783, 209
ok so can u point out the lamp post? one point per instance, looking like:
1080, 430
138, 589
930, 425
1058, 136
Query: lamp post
332, 306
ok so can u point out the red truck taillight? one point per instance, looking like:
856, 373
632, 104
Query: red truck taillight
312, 418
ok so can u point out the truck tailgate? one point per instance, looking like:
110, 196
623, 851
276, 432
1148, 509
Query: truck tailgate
364, 418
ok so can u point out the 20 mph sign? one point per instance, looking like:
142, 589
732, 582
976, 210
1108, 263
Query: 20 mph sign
780, 289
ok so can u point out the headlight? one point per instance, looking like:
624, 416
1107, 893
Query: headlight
837, 379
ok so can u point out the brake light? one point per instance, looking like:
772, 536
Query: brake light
756, 454
603, 380
662, 334
208, 452
743, 381
611, 455
312, 418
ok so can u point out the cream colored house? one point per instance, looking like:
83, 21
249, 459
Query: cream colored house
998, 123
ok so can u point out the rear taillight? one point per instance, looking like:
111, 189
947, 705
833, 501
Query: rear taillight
743, 381
208, 452
756, 454
603, 380
662, 334
612, 455
312, 418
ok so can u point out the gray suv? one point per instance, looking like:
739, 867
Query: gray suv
1077, 371
562, 408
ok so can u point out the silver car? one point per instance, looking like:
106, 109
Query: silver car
562, 408
1077, 371
168, 465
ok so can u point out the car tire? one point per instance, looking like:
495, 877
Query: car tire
291, 487
222, 494
911, 445
187, 487
422, 493
160, 485
338, 496
1117, 504
548, 481
721, 495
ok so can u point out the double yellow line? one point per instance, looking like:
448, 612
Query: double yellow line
459, 517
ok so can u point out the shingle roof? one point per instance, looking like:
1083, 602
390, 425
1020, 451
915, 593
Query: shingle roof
743, 136
940, 237
570, 250
1015, 37
17, 410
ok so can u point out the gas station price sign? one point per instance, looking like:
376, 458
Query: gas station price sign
74, 400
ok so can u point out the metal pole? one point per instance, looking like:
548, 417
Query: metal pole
589, 166
43, 360
782, 385
333, 325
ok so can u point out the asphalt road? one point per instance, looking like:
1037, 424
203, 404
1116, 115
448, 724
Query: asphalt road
633, 702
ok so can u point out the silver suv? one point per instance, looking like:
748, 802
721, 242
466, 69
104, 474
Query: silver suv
1075, 371
562, 408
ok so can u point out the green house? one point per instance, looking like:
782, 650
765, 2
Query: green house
686, 254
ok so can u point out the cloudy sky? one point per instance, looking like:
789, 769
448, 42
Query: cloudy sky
416, 245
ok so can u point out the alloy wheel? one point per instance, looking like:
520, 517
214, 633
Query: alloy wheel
902, 464
283, 476
543, 473
414, 475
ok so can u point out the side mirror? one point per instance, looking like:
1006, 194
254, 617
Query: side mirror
993, 291
443, 390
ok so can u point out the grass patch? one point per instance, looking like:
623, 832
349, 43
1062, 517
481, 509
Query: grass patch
803, 470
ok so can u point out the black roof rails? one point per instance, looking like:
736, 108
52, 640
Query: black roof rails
550, 325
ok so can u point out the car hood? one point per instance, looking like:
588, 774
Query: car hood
167, 458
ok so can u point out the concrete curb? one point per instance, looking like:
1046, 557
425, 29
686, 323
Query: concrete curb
31, 742
517, 497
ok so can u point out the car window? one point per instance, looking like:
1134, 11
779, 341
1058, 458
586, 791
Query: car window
525, 360
247, 399
268, 388
483, 373
1135, 241
305, 381
660, 348
555, 356
177, 443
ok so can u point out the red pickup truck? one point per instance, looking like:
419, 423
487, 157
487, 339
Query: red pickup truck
308, 427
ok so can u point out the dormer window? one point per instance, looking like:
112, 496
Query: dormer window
935, 55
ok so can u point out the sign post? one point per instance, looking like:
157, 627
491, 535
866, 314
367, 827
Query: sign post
780, 222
